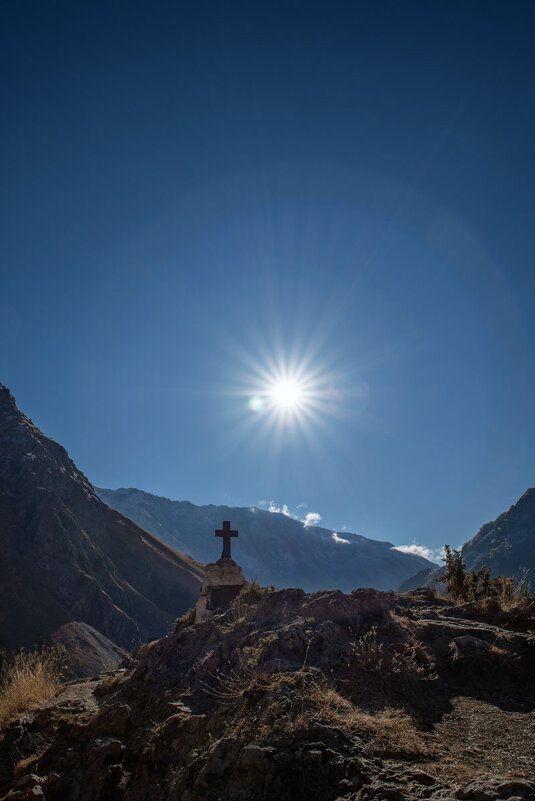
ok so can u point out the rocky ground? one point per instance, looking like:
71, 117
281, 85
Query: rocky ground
325, 696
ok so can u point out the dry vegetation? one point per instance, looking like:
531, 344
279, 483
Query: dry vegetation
251, 593
360, 700
30, 678
257, 703
480, 585
368, 695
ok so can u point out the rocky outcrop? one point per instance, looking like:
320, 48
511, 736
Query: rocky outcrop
316, 697
273, 548
67, 556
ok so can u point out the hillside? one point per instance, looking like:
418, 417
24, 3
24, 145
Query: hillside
506, 545
85, 651
66, 556
273, 547
295, 697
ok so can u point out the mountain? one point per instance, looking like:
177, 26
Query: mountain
66, 556
85, 651
506, 545
274, 548
294, 697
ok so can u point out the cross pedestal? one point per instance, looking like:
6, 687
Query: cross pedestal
223, 579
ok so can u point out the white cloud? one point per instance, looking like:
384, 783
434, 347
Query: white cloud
336, 538
281, 510
310, 519
434, 555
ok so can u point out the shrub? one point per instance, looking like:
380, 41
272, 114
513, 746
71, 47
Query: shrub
29, 679
187, 619
407, 660
455, 573
476, 585
251, 593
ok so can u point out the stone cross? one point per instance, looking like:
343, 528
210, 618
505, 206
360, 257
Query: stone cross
226, 533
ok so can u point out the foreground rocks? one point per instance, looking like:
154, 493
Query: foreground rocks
326, 696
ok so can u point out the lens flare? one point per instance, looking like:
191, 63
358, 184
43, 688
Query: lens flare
256, 404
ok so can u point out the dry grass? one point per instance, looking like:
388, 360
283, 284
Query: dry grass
28, 680
388, 731
515, 613
376, 670
295, 702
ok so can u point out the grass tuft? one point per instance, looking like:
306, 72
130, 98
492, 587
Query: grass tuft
30, 678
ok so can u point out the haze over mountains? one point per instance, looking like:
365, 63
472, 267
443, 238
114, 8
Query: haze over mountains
274, 548
66, 556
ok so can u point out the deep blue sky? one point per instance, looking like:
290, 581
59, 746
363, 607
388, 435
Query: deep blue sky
193, 190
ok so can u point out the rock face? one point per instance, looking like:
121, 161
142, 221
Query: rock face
223, 581
297, 697
273, 548
506, 545
67, 556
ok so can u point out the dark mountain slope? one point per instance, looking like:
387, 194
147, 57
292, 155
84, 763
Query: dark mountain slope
506, 545
275, 548
67, 556
85, 651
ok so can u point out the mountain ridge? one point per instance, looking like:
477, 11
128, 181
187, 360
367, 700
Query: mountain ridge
506, 545
313, 558
66, 556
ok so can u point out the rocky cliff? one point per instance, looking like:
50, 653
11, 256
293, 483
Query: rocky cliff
274, 548
66, 556
296, 697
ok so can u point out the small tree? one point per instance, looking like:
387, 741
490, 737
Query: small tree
455, 574
475, 585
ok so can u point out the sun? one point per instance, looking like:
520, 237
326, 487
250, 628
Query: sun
290, 394
286, 394
282, 394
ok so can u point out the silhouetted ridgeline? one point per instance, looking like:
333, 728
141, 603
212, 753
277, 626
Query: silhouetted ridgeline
66, 556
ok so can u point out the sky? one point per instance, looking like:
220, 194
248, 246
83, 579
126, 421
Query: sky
201, 201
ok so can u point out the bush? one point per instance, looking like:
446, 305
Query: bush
252, 593
29, 679
187, 619
476, 585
